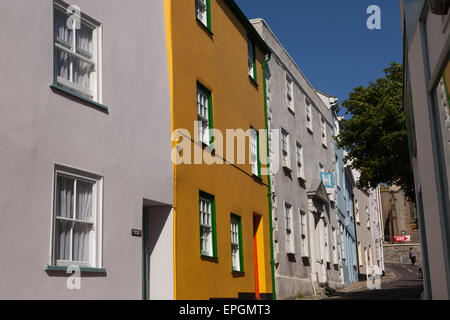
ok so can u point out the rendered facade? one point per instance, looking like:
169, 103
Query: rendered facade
82, 150
306, 230
377, 229
426, 103
222, 218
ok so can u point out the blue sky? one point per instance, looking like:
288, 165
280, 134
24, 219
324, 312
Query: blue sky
329, 39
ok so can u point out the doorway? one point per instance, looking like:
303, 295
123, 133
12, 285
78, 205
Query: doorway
157, 253
259, 256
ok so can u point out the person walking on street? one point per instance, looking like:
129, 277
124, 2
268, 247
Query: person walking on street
412, 256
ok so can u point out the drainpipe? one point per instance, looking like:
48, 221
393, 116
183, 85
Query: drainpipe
269, 193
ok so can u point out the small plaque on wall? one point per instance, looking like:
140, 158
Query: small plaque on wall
136, 233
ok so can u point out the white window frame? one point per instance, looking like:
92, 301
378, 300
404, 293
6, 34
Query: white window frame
335, 246
368, 217
341, 229
360, 258
206, 227
289, 229
308, 114
95, 59
357, 213
304, 236
95, 243
336, 127
300, 161
327, 241
338, 173
204, 135
235, 244
290, 93
251, 57
324, 132
254, 156
285, 149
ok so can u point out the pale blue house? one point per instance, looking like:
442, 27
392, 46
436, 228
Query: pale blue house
345, 213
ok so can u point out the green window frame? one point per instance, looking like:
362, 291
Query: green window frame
236, 221
251, 51
207, 223
202, 90
203, 7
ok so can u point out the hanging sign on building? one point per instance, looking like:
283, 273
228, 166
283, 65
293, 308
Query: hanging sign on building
328, 181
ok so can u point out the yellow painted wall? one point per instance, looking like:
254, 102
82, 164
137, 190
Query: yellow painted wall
219, 62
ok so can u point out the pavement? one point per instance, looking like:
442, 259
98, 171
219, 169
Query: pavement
401, 282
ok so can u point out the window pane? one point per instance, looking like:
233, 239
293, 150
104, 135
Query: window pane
62, 239
84, 41
206, 228
62, 64
81, 242
64, 197
201, 11
84, 200
251, 58
81, 73
62, 33
254, 151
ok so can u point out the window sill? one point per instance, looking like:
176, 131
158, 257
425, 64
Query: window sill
238, 274
205, 28
209, 148
257, 178
253, 81
82, 269
291, 110
210, 259
59, 88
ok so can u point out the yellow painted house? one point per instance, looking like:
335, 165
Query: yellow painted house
222, 244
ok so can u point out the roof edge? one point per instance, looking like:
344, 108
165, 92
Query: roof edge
253, 34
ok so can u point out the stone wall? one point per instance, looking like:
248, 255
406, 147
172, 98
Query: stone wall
399, 253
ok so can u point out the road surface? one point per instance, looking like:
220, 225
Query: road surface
401, 283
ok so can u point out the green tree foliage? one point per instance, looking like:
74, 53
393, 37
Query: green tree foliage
375, 137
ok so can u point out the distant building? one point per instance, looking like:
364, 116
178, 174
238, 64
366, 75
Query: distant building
377, 228
399, 215
368, 230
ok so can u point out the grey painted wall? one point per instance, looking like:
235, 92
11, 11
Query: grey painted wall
293, 272
363, 233
423, 53
129, 146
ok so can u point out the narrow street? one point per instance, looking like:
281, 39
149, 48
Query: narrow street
401, 283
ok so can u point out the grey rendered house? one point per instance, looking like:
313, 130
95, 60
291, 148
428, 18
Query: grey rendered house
363, 223
306, 254
86, 176
426, 100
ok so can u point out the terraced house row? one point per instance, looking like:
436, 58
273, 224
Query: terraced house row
181, 154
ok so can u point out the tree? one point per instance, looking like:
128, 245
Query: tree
375, 136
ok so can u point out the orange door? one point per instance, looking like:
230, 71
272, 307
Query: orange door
256, 221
